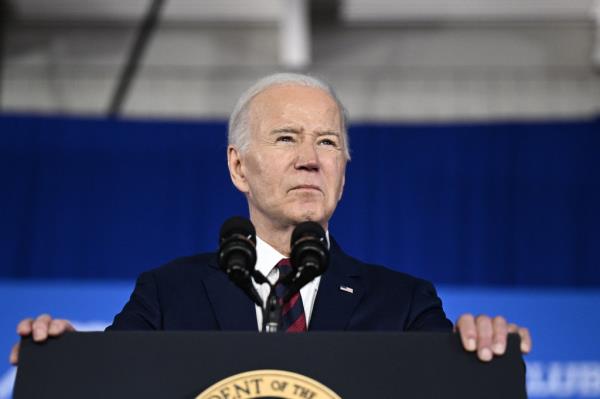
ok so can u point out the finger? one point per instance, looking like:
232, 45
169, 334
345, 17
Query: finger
513, 328
59, 326
500, 333
468, 331
24, 327
14, 354
525, 340
40, 327
485, 333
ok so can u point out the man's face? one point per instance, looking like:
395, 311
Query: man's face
293, 169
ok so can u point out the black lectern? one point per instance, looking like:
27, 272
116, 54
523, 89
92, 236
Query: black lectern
230, 365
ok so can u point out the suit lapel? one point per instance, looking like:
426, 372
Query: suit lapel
333, 307
339, 293
232, 307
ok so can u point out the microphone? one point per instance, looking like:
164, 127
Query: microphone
309, 256
237, 254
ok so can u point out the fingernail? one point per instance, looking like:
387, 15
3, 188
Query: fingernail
499, 348
471, 344
485, 354
37, 335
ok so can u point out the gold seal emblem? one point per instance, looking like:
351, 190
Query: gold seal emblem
276, 384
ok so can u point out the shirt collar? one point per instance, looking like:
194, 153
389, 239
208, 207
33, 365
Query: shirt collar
266, 256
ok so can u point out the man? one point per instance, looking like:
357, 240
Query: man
287, 153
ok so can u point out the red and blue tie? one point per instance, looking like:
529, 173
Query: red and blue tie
292, 312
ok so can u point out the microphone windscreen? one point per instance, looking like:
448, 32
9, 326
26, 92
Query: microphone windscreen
237, 225
308, 229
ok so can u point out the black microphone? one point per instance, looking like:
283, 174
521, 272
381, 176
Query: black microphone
309, 256
237, 254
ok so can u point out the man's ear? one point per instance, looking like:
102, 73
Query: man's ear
236, 169
343, 184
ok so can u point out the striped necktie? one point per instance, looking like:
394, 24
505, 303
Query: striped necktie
292, 312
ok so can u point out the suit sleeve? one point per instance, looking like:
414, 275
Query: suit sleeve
426, 312
142, 311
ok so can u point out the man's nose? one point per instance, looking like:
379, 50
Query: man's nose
307, 158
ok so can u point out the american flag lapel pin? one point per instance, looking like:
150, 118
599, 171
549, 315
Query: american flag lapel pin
347, 289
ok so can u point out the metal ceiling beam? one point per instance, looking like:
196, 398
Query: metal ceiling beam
596, 45
128, 74
4, 17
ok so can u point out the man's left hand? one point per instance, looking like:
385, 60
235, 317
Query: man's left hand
488, 335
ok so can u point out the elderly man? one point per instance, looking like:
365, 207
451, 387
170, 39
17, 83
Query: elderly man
287, 153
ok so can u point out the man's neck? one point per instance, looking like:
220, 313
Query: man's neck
277, 236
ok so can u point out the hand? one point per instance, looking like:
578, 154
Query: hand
488, 336
41, 328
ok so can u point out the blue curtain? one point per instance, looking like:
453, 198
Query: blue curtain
489, 203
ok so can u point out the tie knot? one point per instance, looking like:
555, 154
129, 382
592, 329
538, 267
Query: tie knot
284, 266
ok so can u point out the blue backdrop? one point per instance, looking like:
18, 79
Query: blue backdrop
462, 204
504, 218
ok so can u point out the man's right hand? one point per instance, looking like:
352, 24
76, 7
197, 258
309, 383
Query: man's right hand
41, 328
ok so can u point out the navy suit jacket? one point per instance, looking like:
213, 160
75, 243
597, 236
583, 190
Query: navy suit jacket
192, 293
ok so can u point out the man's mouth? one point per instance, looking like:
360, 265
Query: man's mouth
306, 187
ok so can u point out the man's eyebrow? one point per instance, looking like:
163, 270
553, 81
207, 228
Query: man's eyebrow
328, 133
286, 129
296, 130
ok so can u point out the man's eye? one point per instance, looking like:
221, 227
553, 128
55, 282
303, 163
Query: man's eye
328, 142
285, 139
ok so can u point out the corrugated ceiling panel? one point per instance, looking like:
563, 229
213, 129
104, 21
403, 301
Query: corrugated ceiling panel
372, 10
187, 10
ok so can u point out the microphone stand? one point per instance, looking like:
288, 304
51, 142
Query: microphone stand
271, 309
272, 313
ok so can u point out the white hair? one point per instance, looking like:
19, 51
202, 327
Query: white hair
239, 121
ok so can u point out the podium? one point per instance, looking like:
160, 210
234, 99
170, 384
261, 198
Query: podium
244, 365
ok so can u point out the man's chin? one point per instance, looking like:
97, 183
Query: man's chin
310, 215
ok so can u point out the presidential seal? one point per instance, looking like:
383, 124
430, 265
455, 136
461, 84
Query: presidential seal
264, 384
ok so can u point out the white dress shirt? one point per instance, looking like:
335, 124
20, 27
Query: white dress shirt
267, 258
